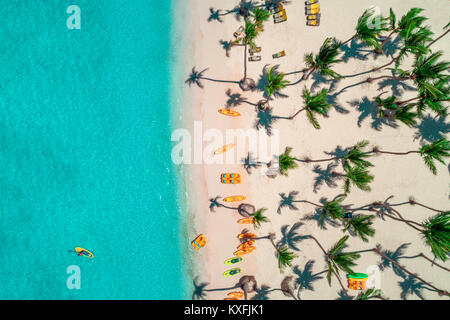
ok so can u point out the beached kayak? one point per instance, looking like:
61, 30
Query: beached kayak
245, 245
246, 220
246, 236
244, 251
235, 294
225, 148
231, 272
229, 112
234, 198
86, 253
199, 242
233, 260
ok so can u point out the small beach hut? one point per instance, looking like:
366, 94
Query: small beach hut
357, 281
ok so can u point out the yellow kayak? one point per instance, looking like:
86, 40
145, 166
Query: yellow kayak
234, 198
235, 294
246, 236
86, 253
229, 112
246, 245
246, 220
225, 148
241, 252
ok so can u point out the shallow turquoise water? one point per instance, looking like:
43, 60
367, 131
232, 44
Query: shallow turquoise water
85, 151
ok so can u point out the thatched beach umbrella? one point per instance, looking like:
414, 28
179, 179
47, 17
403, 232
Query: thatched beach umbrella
246, 210
248, 284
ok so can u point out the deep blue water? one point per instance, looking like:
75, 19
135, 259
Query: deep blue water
85, 151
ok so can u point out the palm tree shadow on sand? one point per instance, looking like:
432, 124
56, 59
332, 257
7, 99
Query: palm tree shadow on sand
290, 237
325, 176
431, 129
368, 109
354, 50
398, 87
343, 296
317, 217
411, 286
287, 201
236, 99
265, 119
306, 278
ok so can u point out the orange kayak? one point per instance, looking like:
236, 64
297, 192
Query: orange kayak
231, 299
244, 251
234, 198
246, 245
225, 148
246, 236
235, 294
246, 220
229, 112
199, 242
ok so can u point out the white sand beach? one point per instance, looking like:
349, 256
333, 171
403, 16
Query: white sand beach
350, 120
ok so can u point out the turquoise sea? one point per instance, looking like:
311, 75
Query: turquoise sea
85, 151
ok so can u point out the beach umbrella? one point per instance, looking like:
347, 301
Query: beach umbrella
246, 210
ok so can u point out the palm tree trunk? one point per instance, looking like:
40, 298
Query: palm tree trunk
397, 153
344, 43
413, 202
432, 262
390, 34
442, 35
408, 222
385, 65
307, 76
245, 62
440, 291
398, 103
292, 117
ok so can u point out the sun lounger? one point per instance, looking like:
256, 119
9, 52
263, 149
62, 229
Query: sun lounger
254, 50
314, 23
254, 58
277, 9
279, 14
311, 2
280, 19
238, 32
312, 11
313, 6
313, 17
279, 54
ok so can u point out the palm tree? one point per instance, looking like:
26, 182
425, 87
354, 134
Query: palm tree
441, 93
260, 15
275, 82
437, 234
414, 42
338, 260
437, 150
285, 257
250, 33
314, 104
409, 22
368, 32
286, 161
357, 176
356, 155
370, 294
361, 225
435, 231
258, 218
389, 108
324, 60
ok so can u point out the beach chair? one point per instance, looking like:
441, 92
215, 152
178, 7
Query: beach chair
238, 32
279, 14
313, 17
254, 58
279, 20
279, 54
312, 11
313, 6
277, 9
254, 50
311, 2
313, 23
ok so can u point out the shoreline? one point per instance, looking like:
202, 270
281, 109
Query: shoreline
400, 176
